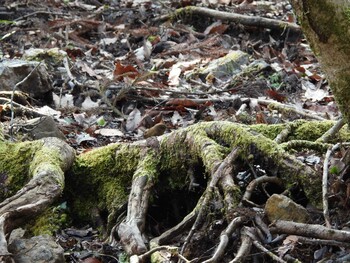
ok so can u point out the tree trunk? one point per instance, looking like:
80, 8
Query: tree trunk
326, 25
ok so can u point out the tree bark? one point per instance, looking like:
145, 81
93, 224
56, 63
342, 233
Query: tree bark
326, 26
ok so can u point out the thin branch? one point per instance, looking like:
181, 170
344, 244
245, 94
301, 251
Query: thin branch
143, 258
246, 20
283, 135
325, 183
328, 135
284, 108
309, 230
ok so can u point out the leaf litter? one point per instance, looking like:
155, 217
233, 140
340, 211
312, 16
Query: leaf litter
118, 69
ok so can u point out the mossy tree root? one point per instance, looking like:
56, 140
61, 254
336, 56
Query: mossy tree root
208, 144
50, 160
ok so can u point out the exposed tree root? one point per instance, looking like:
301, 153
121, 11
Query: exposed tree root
50, 160
253, 148
204, 159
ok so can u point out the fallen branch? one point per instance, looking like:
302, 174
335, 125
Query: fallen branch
254, 21
332, 131
309, 230
286, 109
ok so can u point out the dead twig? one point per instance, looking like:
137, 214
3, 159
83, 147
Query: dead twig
309, 230
283, 108
318, 242
332, 131
325, 183
245, 20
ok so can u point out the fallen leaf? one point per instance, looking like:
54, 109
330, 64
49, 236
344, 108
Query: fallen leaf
83, 137
176, 119
88, 103
182, 102
109, 132
216, 28
122, 71
133, 120
275, 95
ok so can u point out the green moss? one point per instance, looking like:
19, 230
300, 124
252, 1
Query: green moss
49, 222
269, 131
15, 160
347, 13
183, 12
100, 179
174, 159
269, 155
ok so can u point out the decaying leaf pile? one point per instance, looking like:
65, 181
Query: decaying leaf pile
191, 131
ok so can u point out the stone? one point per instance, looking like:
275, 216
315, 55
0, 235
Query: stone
38, 249
42, 127
281, 207
37, 86
227, 66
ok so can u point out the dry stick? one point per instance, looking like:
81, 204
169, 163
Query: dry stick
228, 99
24, 108
224, 239
325, 183
237, 18
69, 73
317, 242
274, 105
13, 94
180, 92
168, 235
263, 227
214, 180
309, 230
250, 231
332, 131
258, 245
39, 13
283, 134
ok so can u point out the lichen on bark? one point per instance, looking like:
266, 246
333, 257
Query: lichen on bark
326, 26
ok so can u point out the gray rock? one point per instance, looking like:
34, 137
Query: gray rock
227, 66
38, 249
38, 85
280, 207
42, 127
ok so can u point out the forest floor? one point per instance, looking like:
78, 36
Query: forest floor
122, 71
